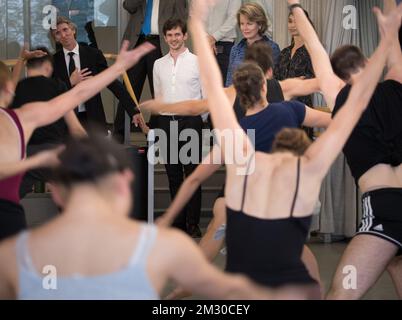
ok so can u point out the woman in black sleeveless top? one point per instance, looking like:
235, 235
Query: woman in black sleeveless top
257, 193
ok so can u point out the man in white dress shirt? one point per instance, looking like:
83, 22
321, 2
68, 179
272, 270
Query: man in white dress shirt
147, 18
221, 28
176, 78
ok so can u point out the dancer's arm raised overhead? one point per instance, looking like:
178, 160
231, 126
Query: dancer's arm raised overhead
221, 109
394, 62
323, 152
38, 114
330, 83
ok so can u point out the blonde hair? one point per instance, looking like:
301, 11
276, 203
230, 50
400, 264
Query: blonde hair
254, 13
293, 140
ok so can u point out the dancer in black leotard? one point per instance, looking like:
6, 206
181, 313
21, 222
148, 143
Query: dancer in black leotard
279, 263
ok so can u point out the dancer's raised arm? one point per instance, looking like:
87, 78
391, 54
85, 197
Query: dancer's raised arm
394, 62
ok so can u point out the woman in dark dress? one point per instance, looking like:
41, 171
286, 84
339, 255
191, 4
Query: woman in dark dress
294, 61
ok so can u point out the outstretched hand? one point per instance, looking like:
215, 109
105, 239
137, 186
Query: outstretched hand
389, 24
127, 58
26, 54
138, 121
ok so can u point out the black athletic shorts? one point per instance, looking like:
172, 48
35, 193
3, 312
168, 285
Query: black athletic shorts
382, 215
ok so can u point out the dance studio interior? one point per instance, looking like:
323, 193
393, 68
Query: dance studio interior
198, 149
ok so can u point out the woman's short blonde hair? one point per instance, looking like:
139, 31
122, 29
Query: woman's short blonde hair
254, 13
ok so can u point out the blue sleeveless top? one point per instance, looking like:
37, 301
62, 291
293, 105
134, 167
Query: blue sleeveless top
131, 283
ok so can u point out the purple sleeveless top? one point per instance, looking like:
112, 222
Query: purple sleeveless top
10, 187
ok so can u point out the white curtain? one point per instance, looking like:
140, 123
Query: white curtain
369, 36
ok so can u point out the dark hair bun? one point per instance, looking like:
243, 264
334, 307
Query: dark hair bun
248, 81
88, 159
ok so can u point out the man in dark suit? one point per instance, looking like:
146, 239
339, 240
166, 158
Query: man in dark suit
75, 63
147, 18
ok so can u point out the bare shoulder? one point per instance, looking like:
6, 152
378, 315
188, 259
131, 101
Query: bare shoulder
266, 163
6, 245
172, 246
172, 237
8, 269
277, 160
8, 255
